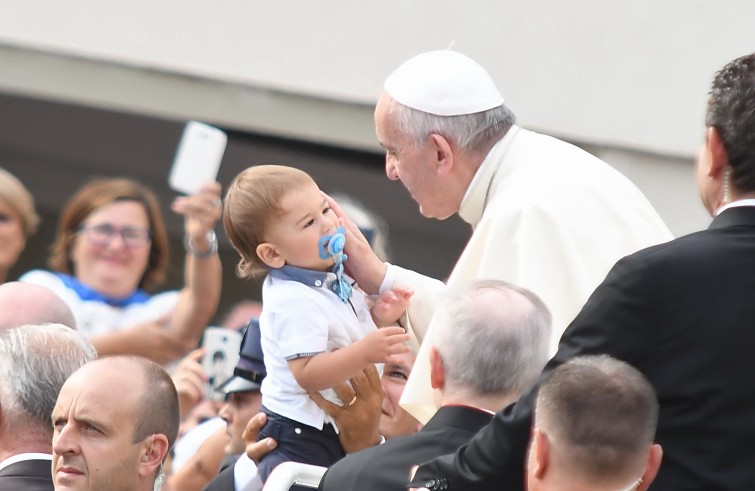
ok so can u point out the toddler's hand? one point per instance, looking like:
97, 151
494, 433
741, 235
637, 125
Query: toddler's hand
383, 343
390, 306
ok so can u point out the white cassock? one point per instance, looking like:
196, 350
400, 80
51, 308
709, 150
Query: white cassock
547, 216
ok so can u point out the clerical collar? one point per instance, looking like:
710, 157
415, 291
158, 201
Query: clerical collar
475, 201
90, 295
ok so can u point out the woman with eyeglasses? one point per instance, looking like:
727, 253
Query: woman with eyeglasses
111, 252
18, 220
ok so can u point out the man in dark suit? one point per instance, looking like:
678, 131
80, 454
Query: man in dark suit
682, 313
490, 343
34, 363
594, 428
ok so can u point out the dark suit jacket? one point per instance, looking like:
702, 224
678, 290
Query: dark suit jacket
222, 482
683, 313
386, 467
27, 475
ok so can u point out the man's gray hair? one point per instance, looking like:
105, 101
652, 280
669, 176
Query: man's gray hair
490, 344
35, 361
472, 133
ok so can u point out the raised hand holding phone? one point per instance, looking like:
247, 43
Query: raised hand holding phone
198, 157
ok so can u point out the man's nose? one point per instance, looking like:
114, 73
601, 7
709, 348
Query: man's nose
64, 442
225, 414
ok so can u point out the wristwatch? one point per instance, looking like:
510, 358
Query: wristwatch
212, 245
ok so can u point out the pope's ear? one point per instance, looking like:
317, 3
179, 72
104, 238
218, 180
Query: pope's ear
444, 156
269, 255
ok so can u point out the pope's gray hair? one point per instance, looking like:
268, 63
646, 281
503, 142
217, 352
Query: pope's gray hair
472, 133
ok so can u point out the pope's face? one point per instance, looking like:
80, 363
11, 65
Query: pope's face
413, 164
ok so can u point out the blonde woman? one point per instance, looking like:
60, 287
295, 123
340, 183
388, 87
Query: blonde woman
18, 221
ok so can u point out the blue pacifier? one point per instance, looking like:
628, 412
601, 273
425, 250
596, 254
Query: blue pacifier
332, 246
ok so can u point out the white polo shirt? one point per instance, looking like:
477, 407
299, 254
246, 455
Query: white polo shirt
301, 317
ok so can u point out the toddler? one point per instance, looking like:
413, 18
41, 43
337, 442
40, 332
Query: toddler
317, 328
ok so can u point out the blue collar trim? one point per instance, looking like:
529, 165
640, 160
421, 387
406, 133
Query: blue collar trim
307, 277
315, 279
88, 294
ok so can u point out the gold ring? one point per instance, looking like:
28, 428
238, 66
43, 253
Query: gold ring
352, 401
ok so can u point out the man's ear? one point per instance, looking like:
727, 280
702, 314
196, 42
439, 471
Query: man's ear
444, 156
437, 371
655, 455
537, 458
269, 255
154, 450
542, 452
719, 157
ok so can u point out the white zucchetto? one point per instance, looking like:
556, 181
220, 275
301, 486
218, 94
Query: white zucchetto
445, 83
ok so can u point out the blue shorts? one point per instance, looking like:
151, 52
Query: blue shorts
298, 442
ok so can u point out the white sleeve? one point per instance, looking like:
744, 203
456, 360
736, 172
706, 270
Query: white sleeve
245, 475
428, 292
389, 278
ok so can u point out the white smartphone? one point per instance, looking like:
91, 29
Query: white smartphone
221, 354
198, 157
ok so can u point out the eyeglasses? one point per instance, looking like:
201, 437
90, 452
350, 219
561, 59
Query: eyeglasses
102, 234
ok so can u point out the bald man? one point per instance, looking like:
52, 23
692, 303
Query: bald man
25, 303
112, 431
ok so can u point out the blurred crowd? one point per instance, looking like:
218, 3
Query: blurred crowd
576, 344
